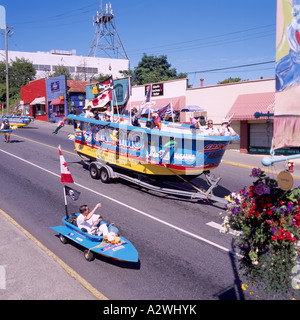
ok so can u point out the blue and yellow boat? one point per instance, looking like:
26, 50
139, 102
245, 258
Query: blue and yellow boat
174, 150
18, 121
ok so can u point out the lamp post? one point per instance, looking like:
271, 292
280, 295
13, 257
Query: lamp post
6, 71
3, 26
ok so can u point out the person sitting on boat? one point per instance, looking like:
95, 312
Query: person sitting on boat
89, 221
134, 118
106, 117
109, 112
202, 121
210, 130
226, 129
89, 113
96, 115
6, 126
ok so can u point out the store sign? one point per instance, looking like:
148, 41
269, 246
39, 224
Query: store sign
55, 86
157, 89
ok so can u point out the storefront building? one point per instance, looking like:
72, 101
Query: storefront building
34, 97
56, 92
76, 95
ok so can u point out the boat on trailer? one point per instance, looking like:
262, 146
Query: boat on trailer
118, 150
18, 121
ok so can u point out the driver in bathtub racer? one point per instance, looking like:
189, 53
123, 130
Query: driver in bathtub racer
89, 221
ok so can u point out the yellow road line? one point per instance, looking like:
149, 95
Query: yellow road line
43, 144
251, 167
67, 268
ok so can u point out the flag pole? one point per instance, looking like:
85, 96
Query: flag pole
66, 204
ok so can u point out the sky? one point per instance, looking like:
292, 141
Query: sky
199, 37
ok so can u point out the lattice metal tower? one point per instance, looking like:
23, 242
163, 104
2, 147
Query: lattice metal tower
106, 42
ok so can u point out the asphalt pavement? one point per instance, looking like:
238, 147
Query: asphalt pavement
29, 271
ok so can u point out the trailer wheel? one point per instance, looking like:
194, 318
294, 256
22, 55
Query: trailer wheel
104, 175
88, 255
94, 171
62, 239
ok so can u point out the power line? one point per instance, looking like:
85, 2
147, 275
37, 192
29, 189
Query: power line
233, 67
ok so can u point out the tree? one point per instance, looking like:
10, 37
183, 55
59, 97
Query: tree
230, 80
60, 70
153, 69
21, 72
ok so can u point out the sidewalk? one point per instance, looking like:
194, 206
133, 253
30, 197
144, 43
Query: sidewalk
254, 160
29, 271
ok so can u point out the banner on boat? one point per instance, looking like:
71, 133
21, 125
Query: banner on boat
287, 73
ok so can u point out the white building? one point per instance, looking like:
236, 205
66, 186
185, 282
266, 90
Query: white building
80, 67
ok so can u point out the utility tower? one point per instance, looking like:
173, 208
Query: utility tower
106, 42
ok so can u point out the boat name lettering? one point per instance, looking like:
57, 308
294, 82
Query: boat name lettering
214, 147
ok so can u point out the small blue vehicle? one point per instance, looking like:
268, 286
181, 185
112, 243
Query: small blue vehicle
118, 249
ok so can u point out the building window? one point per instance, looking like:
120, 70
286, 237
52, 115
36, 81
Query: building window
70, 68
87, 70
42, 67
59, 110
40, 109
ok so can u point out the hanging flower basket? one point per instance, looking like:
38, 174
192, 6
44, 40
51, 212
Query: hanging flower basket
267, 224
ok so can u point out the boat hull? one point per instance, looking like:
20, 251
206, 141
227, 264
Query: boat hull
17, 121
148, 151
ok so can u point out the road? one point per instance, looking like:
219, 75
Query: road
182, 254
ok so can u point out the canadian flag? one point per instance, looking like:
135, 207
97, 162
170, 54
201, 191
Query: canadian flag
102, 99
65, 173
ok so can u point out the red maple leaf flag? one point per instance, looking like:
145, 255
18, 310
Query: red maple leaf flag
65, 173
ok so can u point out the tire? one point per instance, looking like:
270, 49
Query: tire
104, 175
62, 239
89, 256
94, 171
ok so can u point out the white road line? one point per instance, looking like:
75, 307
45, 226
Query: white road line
128, 206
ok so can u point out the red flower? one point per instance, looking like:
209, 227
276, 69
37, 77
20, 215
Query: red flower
251, 194
274, 237
254, 206
256, 213
298, 209
251, 188
244, 205
270, 212
282, 230
294, 239
281, 202
297, 216
281, 236
288, 236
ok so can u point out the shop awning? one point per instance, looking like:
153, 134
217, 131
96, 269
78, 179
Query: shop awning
246, 105
40, 100
55, 102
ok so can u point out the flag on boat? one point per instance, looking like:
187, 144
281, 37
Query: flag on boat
128, 93
105, 85
165, 111
65, 174
148, 93
102, 99
72, 193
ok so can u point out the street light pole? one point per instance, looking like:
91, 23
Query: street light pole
7, 83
